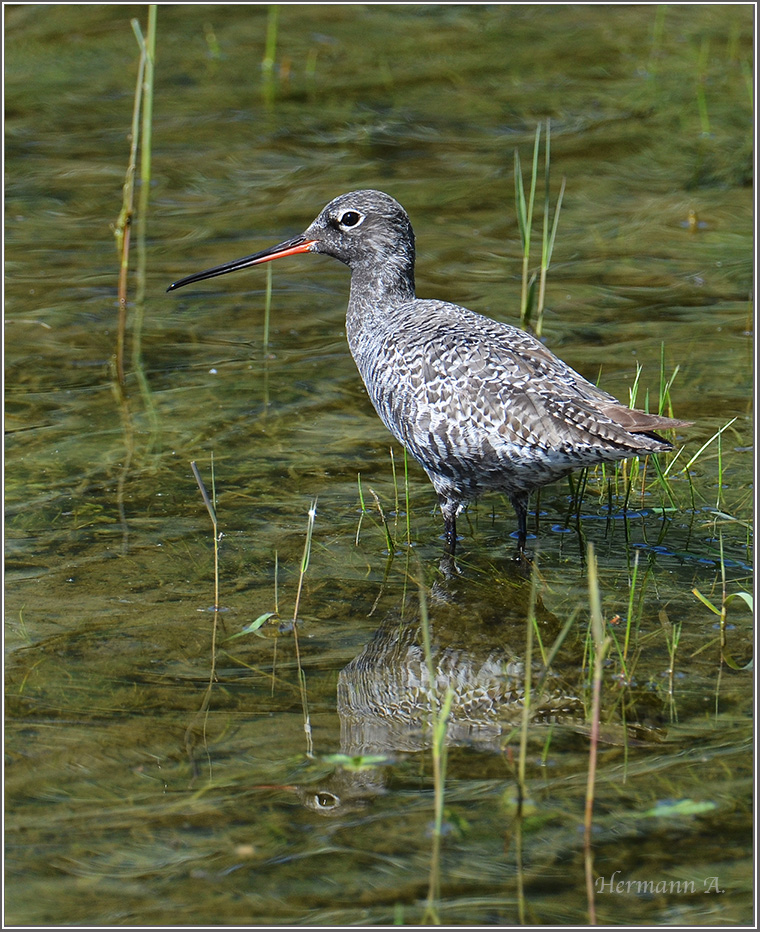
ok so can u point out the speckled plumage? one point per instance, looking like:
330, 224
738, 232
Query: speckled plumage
482, 405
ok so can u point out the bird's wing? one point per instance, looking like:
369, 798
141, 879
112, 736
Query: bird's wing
464, 369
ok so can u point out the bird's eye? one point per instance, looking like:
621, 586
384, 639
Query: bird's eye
326, 800
350, 218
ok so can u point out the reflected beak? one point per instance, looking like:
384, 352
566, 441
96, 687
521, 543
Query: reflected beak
291, 247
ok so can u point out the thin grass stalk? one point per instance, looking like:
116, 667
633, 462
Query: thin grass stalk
623, 472
525, 221
520, 869
148, 47
123, 227
666, 384
640, 470
396, 500
210, 503
533, 180
538, 692
123, 232
672, 639
631, 591
672, 462
276, 583
301, 675
363, 507
388, 535
527, 686
615, 641
522, 227
143, 104
440, 757
439, 716
305, 558
634, 389
126, 464
427, 646
724, 594
692, 492
546, 260
723, 613
547, 238
407, 502
547, 743
600, 647
146, 143
705, 445
663, 481
547, 181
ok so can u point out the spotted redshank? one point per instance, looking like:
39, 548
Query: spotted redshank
482, 405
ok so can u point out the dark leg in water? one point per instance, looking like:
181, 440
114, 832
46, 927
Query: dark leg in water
450, 524
449, 512
521, 510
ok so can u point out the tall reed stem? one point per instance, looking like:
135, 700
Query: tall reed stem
601, 645
142, 116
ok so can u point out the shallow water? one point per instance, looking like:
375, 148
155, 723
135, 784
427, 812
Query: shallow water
130, 803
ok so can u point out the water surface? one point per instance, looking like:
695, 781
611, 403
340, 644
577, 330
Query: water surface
136, 797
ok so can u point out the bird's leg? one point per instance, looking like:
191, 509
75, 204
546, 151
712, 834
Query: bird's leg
521, 510
450, 525
449, 511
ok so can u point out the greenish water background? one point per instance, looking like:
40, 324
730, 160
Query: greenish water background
115, 812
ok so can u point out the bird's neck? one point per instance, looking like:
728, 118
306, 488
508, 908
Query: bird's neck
376, 290
376, 295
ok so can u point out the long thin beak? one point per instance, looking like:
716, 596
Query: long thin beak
291, 247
